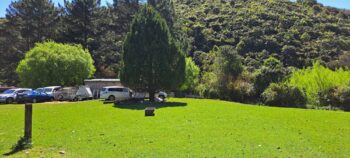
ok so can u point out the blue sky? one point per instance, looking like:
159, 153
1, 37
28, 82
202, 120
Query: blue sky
335, 3
5, 3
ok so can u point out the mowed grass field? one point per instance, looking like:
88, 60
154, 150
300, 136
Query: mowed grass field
181, 128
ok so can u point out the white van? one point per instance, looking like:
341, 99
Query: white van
115, 93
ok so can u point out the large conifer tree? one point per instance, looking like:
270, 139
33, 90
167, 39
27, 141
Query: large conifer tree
27, 22
35, 20
82, 20
151, 59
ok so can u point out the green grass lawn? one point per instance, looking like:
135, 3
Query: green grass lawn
184, 128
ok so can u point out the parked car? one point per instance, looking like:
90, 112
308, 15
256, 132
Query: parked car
10, 95
51, 90
3, 89
115, 93
119, 93
35, 96
73, 93
161, 95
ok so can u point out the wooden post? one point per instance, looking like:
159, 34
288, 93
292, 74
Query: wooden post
28, 122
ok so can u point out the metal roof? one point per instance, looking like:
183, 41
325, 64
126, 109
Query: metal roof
102, 80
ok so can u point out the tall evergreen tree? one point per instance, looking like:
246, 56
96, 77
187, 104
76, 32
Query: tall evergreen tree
151, 59
35, 20
11, 51
112, 27
166, 9
27, 22
124, 11
91, 25
107, 47
81, 18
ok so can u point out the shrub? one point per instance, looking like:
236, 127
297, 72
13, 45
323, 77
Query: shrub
284, 95
242, 89
338, 97
191, 76
208, 85
342, 62
223, 71
52, 63
271, 72
318, 79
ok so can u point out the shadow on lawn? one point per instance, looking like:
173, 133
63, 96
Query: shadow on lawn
22, 144
142, 106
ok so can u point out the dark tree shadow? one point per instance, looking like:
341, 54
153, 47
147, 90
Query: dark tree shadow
143, 105
22, 144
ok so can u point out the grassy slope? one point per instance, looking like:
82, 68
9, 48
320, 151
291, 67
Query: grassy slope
199, 129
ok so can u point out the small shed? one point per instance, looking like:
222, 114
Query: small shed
97, 84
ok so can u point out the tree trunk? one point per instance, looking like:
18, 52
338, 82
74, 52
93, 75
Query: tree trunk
151, 95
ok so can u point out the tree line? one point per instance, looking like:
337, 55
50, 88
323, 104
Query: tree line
99, 29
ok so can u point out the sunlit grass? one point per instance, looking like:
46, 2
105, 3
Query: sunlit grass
182, 128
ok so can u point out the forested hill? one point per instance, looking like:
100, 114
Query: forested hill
294, 32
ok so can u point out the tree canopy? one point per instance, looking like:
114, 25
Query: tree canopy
151, 59
52, 63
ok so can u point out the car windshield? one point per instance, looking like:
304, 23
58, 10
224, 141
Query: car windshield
47, 90
39, 90
10, 91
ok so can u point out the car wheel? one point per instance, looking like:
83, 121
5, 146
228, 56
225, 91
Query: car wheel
60, 97
9, 100
111, 98
52, 99
162, 97
34, 100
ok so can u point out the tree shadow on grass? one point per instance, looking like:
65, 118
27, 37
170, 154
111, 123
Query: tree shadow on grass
143, 105
22, 144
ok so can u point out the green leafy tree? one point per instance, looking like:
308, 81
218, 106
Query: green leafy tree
151, 59
228, 66
192, 76
52, 63
220, 77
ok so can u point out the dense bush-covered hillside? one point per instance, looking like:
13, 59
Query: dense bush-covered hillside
240, 47
293, 32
